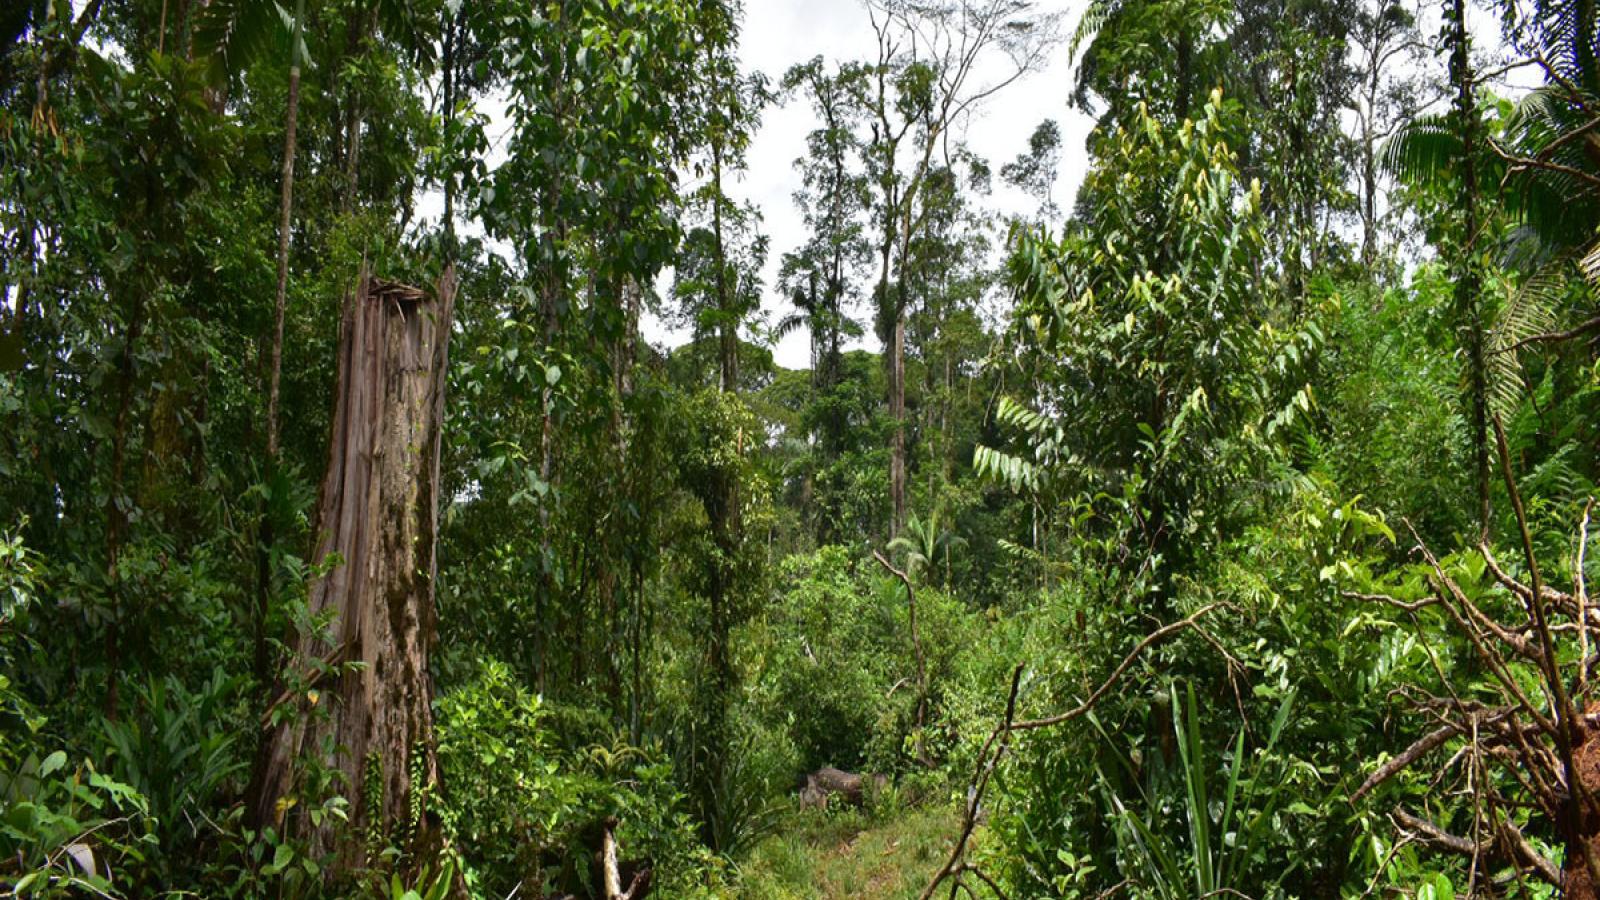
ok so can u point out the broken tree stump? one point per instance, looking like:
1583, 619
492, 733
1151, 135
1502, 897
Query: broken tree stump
378, 511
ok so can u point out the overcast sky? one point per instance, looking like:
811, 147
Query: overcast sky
779, 33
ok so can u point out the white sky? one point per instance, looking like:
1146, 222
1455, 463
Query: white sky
779, 33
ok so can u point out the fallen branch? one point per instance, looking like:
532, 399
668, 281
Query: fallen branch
998, 739
1427, 744
1434, 836
610, 870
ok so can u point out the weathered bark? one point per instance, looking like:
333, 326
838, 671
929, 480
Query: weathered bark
611, 868
1577, 882
378, 512
897, 413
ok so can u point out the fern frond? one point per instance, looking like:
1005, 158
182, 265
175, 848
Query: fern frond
1533, 308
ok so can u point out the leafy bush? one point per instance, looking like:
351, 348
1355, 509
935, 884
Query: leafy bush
68, 830
523, 812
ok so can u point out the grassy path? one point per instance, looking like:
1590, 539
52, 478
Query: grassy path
845, 855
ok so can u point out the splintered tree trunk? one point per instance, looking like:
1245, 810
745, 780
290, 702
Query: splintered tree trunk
1576, 881
378, 512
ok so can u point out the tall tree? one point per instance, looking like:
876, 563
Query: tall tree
280, 303
819, 276
1469, 315
1034, 170
723, 284
925, 83
1389, 49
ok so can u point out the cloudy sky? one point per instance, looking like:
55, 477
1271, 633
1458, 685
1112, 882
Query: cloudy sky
779, 33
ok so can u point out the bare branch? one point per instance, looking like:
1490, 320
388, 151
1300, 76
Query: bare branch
1150, 640
1553, 337
1422, 747
998, 742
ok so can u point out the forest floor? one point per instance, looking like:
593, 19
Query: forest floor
846, 854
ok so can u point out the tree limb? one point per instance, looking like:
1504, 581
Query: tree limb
1150, 640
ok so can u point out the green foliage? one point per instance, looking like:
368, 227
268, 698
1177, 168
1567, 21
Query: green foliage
523, 811
1165, 365
657, 600
493, 756
68, 830
1237, 848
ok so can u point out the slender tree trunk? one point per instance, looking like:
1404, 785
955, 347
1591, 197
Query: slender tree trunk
266, 538
728, 333
447, 102
118, 500
723, 511
552, 295
291, 120
378, 512
361, 26
1468, 303
886, 309
1185, 75
897, 413
1369, 142
1369, 201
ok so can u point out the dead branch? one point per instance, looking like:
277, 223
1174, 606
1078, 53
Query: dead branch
1428, 833
309, 680
1524, 163
1566, 713
1397, 603
1551, 595
998, 741
1150, 640
1427, 744
916, 641
984, 877
610, 870
1552, 337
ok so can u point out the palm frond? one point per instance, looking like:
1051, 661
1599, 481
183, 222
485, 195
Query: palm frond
232, 34
1422, 153
1012, 471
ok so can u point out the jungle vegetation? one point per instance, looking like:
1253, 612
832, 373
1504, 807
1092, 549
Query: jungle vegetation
1219, 530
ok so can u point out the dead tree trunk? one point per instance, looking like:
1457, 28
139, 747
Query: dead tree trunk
378, 512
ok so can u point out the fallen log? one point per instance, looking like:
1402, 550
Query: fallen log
826, 782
